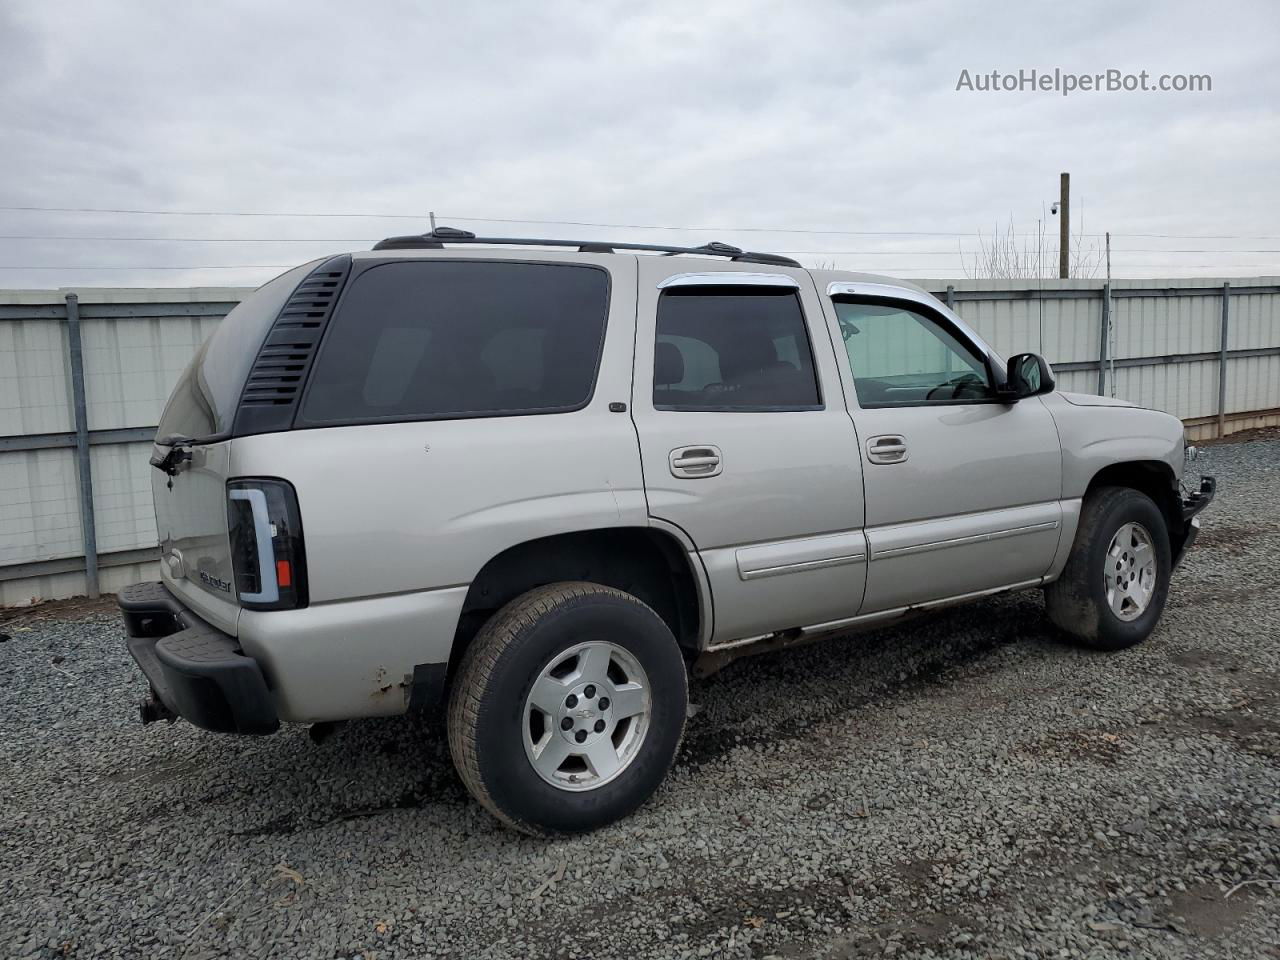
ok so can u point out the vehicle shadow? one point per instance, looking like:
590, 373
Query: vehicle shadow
371, 768
780, 696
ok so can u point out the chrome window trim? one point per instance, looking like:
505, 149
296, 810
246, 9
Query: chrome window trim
729, 278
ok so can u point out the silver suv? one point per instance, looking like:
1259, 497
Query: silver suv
536, 482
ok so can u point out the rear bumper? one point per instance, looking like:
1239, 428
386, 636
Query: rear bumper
195, 670
1191, 507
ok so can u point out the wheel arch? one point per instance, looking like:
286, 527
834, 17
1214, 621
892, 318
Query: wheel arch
1156, 479
655, 565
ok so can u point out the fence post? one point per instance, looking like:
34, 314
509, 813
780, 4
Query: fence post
1222, 361
1104, 340
951, 296
87, 525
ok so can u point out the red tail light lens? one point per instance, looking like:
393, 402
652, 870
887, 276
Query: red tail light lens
267, 552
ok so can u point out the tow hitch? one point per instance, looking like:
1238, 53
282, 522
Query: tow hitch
151, 709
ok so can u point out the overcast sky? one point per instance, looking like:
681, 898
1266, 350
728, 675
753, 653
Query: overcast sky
804, 116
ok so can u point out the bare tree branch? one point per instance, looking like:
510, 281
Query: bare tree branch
1001, 256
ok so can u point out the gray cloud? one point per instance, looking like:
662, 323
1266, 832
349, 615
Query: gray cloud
828, 115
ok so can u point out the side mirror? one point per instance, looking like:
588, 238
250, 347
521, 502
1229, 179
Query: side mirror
1028, 375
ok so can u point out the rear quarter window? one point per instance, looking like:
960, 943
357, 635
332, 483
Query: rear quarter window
442, 339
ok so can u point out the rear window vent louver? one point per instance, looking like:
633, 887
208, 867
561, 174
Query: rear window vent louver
275, 381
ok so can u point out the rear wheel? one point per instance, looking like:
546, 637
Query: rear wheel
1112, 591
568, 708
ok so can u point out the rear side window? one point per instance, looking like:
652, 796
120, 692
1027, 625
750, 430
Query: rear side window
436, 339
723, 348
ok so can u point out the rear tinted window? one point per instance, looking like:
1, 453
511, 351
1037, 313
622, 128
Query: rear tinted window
203, 403
432, 339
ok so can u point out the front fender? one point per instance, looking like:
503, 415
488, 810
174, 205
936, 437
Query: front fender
1096, 437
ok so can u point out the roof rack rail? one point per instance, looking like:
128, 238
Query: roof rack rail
437, 238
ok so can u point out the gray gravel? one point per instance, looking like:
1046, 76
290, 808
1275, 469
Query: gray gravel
963, 786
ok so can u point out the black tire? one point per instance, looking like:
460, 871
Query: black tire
1077, 601
487, 702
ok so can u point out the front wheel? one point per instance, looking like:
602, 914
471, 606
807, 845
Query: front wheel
1112, 591
568, 708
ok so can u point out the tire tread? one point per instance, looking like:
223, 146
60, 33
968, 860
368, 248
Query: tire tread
480, 660
1068, 600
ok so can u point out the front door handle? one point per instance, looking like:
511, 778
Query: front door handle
695, 462
887, 448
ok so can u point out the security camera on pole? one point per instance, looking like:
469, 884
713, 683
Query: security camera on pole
1064, 226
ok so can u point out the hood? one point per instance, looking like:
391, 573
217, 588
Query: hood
1093, 400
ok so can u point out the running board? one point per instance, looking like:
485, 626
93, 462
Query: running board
719, 656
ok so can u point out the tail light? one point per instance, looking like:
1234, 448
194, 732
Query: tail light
266, 544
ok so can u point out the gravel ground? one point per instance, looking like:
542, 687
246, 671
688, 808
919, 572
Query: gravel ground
961, 786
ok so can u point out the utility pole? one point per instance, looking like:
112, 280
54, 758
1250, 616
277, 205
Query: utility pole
433, 221
1064, 227
1108, 314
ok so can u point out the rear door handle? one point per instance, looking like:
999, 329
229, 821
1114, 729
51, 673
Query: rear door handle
887, 448
691, 463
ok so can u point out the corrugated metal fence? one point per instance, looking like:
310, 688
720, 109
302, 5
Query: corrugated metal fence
1207, 351
133, 345
83, 380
